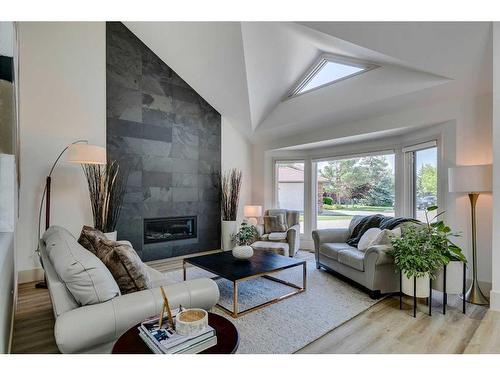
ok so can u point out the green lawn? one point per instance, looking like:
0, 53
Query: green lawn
328, 218
340, 207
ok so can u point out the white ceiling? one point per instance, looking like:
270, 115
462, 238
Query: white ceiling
244, 70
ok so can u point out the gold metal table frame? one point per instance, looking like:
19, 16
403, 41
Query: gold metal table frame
267, 275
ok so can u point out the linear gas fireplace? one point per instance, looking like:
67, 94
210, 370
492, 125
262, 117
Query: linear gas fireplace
169, 229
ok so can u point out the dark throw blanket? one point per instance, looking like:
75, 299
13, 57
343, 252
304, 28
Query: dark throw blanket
375, 221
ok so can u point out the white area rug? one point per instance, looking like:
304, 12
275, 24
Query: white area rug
291, 324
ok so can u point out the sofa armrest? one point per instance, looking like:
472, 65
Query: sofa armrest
81, 329
293, 239
378, 255
338, 235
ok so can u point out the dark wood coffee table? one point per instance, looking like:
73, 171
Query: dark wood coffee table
261, 264
227, 339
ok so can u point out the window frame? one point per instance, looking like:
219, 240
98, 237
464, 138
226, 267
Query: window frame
376, 152
305, 162
319, 63
410, 174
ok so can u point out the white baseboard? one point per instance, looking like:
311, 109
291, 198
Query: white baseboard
28, 276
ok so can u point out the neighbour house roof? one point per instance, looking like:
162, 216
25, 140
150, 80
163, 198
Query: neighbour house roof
293, 174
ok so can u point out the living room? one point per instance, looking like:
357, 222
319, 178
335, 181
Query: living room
253, 186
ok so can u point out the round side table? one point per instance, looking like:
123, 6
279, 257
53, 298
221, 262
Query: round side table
227, 339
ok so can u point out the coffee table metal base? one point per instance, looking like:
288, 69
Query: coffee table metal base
235, 313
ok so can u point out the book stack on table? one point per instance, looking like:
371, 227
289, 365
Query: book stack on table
166, 341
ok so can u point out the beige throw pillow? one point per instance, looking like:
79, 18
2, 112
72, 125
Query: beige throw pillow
275, 224
385, 236
367, 238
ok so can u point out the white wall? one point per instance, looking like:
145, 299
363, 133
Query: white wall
237, 153
495, 261
62, 99
8, 291
467, 139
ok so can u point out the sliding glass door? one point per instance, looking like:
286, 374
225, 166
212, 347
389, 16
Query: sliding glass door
354, 186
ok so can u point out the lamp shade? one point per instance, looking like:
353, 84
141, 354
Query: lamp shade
86, 154
252, 211
470, 178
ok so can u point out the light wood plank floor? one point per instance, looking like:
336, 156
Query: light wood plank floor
381, 329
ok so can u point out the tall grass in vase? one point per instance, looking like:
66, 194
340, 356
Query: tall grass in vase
106, 185
230, 197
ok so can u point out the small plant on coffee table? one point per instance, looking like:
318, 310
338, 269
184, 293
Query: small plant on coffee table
246, 235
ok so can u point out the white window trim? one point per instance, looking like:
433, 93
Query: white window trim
409, 173
380, 152
318, 65
307, 172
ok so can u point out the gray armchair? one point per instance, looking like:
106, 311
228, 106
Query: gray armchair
286, 243
373, 269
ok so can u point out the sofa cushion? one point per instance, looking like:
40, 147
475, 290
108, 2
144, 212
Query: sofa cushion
353, 258
275, 223
367, 238
84, 275
130, 273
277, 236
331, 250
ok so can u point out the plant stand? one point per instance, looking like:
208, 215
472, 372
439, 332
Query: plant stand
445, 294
414, 294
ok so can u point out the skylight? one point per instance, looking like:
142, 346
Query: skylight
327, 70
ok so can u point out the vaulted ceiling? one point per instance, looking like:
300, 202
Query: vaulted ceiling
245, 70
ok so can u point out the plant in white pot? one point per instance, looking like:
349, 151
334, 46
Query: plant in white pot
230, 192
421, 252
106, 185
247, 234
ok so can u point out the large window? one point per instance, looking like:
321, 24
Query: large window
423, 174
354, 186
290, 187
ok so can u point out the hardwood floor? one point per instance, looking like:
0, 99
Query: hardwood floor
34, 321
385, 329
381, 329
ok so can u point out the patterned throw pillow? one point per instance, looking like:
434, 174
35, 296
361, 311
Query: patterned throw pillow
275, 224
127, 268
121, 259
89, 239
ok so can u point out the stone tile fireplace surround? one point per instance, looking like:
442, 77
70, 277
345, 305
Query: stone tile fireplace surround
168, 139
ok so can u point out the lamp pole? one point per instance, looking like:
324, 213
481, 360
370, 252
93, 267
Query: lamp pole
474, 295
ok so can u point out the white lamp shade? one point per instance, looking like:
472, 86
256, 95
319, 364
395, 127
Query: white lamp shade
252, 211
86, 154
470, 178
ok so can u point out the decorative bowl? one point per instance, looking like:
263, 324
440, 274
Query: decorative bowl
242, 252
191, 321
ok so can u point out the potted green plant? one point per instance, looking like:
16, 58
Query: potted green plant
422, 252
246, 235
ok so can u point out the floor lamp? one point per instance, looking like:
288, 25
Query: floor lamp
472, 179
79, 152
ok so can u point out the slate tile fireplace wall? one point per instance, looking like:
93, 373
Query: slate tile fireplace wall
168, 138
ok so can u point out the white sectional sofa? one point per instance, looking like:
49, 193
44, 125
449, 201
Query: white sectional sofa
92, 321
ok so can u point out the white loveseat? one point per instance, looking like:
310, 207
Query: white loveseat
94, 328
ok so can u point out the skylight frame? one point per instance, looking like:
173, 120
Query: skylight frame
320, 63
